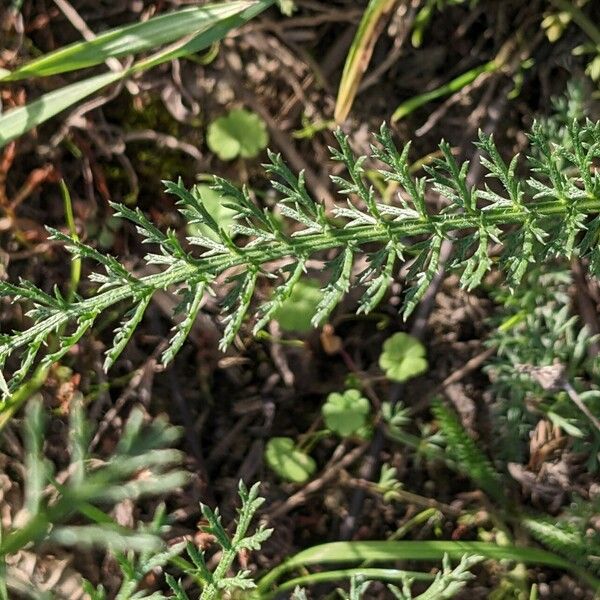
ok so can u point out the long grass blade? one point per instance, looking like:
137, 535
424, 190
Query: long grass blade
132, 39
18, 121
503, 59
451, 87
341, 574
360, 53
386, 551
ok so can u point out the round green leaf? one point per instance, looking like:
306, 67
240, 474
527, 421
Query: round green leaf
346, 413
239, 133
287, 461
214, 202
296, 312
403, 357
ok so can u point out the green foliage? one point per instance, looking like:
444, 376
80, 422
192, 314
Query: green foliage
450, 87
571, 534
239, 133
218, 582
448, 582
425, 14
348, 553
135, 567
388, 485
50, 506
346, 414
358, 588
468, 457
395, 415
548, 211
288, 461
536, 327
127, 40
555, 23
185, 31
403, 357
216, 206
297, 311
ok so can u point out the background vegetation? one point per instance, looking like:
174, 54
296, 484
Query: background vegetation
224, 283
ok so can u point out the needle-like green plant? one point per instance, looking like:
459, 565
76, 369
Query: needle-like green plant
550, 212
52, 502
468, 457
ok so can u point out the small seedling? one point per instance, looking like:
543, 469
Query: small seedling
239, 133
403, 357
346, 414
448, 582
219, 583
388, 484
288, 461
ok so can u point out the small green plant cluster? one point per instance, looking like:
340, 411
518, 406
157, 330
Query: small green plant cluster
536, 327
288, 460
346, 414
569, 535
403, 357
447, 583
349, 414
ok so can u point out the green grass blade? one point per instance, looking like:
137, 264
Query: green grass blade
341, 574
17, 121
385, 551
451, 87
135, 38
359, 55
217, 31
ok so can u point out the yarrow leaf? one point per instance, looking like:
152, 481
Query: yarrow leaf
552, 211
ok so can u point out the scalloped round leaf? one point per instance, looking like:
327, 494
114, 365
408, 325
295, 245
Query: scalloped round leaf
289, 462
403, 357
214, 202
346, 414
239, 133
296, 313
